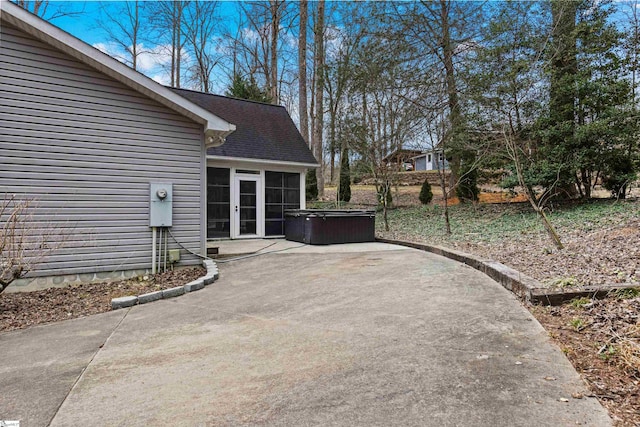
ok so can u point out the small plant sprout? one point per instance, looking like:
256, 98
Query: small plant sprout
607, 352
577, 323
583, 302
627, 293
564, 282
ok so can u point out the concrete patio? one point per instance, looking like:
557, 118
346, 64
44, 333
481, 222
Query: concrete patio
358, 334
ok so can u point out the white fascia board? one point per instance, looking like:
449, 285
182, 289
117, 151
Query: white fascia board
60, 39
263, 161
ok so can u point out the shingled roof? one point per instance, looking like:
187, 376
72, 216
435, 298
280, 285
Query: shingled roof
263, 131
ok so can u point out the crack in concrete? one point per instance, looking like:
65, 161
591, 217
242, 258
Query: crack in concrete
84, 370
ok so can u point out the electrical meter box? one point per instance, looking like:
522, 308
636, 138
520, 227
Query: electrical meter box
160, 204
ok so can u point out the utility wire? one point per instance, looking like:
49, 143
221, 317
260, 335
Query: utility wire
223, 261
257, 253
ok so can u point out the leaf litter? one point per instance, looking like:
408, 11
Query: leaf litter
20, 310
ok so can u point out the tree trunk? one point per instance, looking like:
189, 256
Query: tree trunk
275, 29
319, 92
536, 204
586, 182
562, 94
134, 36
564, 64
384, 212
302, 72
173, 44
179, 42
443, 188
332, 138
551, 232
452, 91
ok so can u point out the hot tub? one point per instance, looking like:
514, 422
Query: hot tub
325, 227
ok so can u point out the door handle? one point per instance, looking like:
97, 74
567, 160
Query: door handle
236, 209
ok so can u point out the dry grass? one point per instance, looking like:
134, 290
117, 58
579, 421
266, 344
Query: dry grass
628, 349
406, 196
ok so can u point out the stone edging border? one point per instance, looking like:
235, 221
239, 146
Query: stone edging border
523, 286
211, 276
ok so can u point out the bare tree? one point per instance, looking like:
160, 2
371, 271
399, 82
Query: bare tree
436, 130
167, 19
275, 7
343, 42
302, 71
22, 245
515, 152
47, 9
384, 114
318, 116
631, 10
122, 22
263, 48
201, 19
508, 92
435, 35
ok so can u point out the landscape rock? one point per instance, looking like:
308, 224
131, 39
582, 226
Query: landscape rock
173, 292
194, 286
149, 297
123, 302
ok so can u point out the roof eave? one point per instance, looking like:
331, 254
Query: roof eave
265, 161
215, 138
54, 36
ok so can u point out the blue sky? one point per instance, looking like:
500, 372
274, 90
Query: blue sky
82, 22
83, 25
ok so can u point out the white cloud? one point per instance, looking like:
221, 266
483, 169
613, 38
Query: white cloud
250, 34
162, 78
112, 49
334, 40
151, 58
152, 61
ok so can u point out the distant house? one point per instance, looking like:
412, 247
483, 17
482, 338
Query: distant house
402, 158
430, 160
86, 137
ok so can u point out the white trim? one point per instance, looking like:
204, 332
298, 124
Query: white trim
203, 198
263, 161
303, 190
232, 198
259, 206
233, 190
216, 129
262, 209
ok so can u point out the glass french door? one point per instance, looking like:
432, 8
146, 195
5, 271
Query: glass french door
247, 205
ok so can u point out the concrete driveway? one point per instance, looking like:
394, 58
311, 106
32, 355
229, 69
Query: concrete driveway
368, 334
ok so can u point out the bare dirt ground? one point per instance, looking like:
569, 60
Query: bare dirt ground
23, 309
601, 339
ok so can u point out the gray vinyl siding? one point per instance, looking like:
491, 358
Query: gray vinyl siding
85, 147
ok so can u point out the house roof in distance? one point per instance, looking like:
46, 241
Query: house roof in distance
263, 131
401, 155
